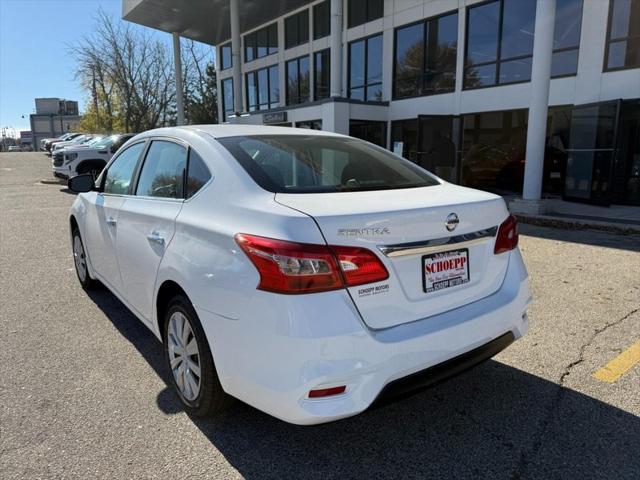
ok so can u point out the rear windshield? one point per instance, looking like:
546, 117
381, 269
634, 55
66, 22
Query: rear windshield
317, 164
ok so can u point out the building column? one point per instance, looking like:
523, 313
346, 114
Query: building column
539, 101
177, 65
335, 43
234, 13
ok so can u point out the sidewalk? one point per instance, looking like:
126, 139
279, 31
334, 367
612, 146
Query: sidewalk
561, 214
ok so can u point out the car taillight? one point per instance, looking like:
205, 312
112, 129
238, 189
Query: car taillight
290, 267
507, 238
360, 266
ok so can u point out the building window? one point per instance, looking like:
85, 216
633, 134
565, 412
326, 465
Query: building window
322, 78
425, 57
363, 11
321, 20
370, 131
365, 69
296, 29
404, 138
225, 57
227, 98
261, 43
262, 89
298, 79
623, 35
566, 38
499, 43
310, 124
493, 150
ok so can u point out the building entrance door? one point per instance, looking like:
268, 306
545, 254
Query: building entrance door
626, 168
591, 153
438, 145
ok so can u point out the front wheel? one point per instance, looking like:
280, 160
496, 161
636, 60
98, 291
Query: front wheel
80, 261
188, 358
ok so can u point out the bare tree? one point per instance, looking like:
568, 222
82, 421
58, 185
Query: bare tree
129, 76
130, 79
199, 83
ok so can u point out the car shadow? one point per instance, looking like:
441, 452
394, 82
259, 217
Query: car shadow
494, 421
596, 238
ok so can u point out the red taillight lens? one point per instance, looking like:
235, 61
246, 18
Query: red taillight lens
289, 267
507, 238
360, 266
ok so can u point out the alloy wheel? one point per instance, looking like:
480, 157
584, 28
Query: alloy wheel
184, 356
79, 258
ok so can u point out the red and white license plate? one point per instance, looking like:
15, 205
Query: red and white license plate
445, 269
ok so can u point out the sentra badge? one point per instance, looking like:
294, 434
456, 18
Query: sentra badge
363, 232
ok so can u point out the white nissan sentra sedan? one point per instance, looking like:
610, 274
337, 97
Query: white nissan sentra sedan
305, 273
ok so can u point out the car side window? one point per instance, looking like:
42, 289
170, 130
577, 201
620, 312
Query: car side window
198, 173
163, 170
120, 173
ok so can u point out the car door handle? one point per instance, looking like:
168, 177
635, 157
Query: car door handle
155, 237
112, 221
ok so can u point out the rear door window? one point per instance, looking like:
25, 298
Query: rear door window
163, 170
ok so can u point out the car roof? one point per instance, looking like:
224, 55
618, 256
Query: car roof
220, 131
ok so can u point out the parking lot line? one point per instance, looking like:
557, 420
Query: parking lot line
617, 367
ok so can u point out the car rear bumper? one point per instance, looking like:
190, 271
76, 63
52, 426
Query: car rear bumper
279, 350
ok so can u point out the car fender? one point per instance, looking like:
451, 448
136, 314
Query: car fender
78, 211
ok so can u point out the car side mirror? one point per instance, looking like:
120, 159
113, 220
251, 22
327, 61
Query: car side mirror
81, 183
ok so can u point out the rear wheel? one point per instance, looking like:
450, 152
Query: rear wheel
80, 261
190, 362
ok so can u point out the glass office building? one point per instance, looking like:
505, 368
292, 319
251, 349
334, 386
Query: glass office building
446, 84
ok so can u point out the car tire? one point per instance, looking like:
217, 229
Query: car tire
80, 261
202, 395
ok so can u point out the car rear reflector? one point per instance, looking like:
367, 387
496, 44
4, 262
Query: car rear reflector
293, 268
327, 392
507, 238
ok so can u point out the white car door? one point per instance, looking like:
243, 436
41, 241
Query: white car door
102, 222
147, 221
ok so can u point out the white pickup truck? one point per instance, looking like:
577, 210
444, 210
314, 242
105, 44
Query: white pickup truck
73, 161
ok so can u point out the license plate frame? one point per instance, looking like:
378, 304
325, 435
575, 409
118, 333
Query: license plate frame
452, 277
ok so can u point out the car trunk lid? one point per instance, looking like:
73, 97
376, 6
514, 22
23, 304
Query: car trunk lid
431, 269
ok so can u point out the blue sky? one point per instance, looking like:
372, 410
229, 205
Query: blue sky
34, 52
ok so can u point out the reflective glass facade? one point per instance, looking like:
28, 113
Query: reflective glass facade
296, 29
623, 35
322, 77
425, 57
261, 43
262, 89
499, 43
365, 69
321, 20
363, 11
298, 80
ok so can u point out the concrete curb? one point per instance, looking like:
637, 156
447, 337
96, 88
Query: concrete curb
579, 224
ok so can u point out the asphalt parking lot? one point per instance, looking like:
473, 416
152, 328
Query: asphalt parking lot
84, 392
